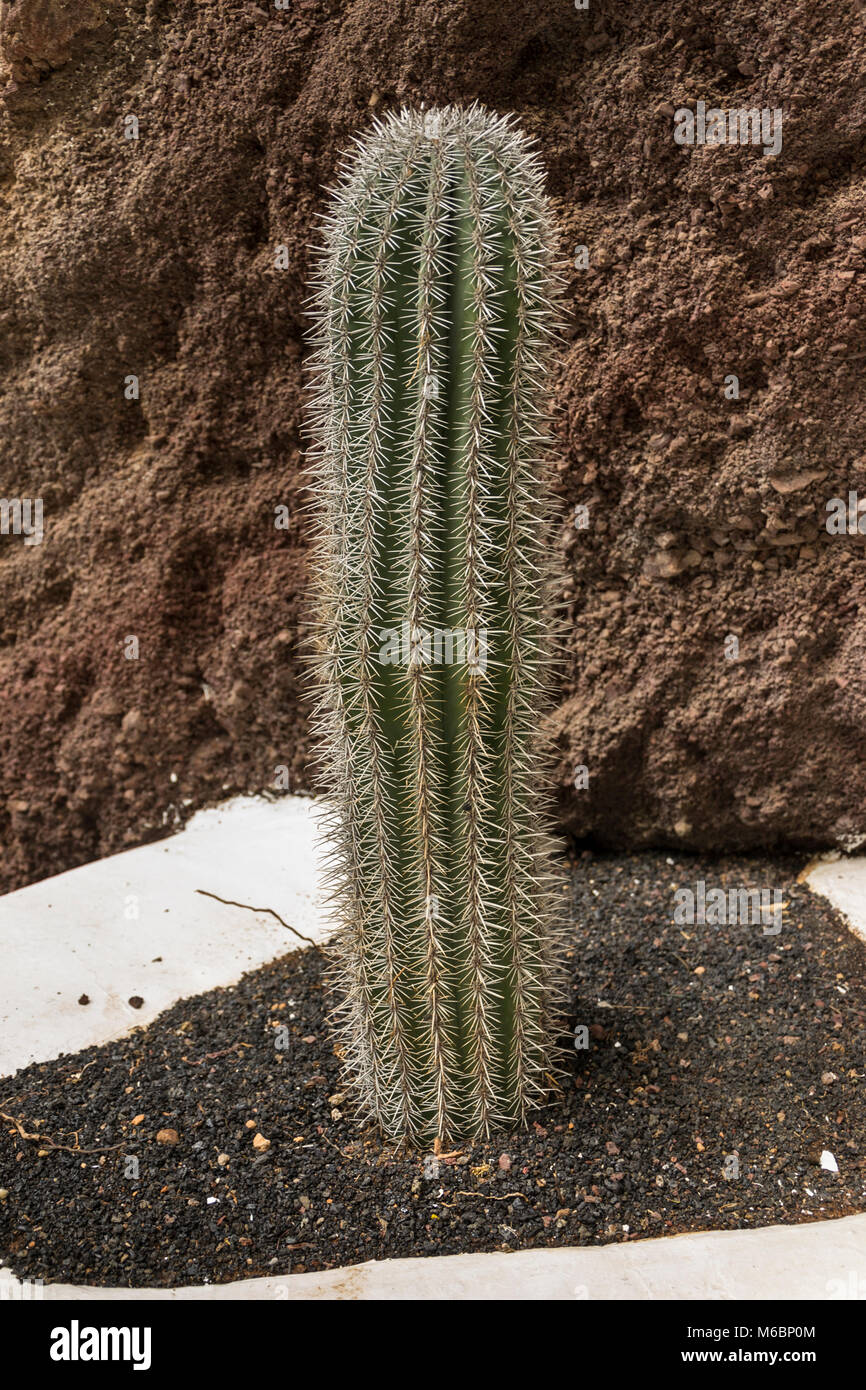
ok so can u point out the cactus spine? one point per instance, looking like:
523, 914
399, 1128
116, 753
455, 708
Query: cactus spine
434, 320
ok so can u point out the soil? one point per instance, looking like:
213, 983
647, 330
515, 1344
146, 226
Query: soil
155, 258
220, 1143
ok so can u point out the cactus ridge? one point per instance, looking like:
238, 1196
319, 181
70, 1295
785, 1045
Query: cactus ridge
434, 320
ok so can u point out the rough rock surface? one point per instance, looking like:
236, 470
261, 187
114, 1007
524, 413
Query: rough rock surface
39, 36
155, 258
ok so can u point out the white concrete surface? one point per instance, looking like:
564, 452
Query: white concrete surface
843, 881
134, 926
824, 1260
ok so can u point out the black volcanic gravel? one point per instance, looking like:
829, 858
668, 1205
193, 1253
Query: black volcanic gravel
705, 1042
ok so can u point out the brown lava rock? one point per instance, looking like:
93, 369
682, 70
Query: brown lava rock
155, 258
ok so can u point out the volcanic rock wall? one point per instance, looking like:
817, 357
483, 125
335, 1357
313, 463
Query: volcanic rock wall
154, 157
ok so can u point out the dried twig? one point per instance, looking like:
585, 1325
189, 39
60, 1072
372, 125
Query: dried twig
211, 1056
44, 1139
228, 902
486, 1197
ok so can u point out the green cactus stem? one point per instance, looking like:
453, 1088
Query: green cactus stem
434, 321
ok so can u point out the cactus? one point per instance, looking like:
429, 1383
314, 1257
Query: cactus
434, 315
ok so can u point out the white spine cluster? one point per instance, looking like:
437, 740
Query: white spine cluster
434, 323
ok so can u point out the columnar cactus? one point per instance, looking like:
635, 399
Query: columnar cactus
434, 320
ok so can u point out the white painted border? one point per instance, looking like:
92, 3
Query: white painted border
822, 1260
78, 934
843, 883
134, 926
